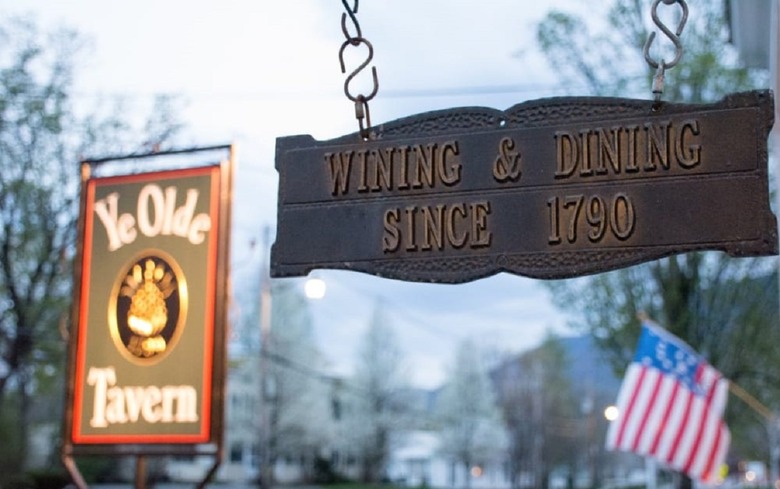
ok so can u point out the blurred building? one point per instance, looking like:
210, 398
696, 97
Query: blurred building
417, 458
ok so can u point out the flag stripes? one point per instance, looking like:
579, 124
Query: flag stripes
671, 406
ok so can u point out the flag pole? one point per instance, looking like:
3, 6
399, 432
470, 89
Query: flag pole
751, 401
771, 425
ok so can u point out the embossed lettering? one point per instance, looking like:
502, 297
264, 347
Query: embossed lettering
392, 237
599, 215
689, 155
394, 168
609, 150
654, 146
437, 227
340, 165
657, 136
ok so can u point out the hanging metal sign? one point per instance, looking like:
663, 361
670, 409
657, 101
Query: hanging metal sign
549, 189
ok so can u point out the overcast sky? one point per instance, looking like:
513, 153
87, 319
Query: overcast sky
250, 71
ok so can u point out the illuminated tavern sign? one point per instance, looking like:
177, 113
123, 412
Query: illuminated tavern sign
147, 355
550, 189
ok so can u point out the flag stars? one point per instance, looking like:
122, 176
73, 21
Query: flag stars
682, 366
660, 350
681, 369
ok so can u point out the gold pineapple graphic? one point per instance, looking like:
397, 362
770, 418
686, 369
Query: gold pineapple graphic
147, 287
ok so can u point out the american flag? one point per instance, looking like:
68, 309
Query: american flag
671, 406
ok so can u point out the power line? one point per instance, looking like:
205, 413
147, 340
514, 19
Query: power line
392, 93
399, 310
314, 374
389, 93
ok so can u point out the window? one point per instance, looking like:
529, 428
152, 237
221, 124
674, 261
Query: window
236, 453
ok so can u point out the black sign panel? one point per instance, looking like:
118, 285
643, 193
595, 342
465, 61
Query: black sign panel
552, 188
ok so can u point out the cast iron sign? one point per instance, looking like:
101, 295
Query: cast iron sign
549, 189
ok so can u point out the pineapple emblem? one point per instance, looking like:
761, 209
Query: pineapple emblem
148, 308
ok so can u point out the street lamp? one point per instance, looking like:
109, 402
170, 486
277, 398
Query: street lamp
315, 288
611, 413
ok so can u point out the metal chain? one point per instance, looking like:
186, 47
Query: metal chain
361, 100
661, 66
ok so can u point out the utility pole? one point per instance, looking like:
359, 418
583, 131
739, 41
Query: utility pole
266, 387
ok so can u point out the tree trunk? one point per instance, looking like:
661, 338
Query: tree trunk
24, 417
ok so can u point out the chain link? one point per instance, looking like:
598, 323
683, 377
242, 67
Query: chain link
362, 112
661, 66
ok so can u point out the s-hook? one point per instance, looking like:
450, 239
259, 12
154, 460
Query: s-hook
662, 65
361, 100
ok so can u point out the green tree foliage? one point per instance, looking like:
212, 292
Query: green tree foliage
724, 308
608, 58
42, 138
